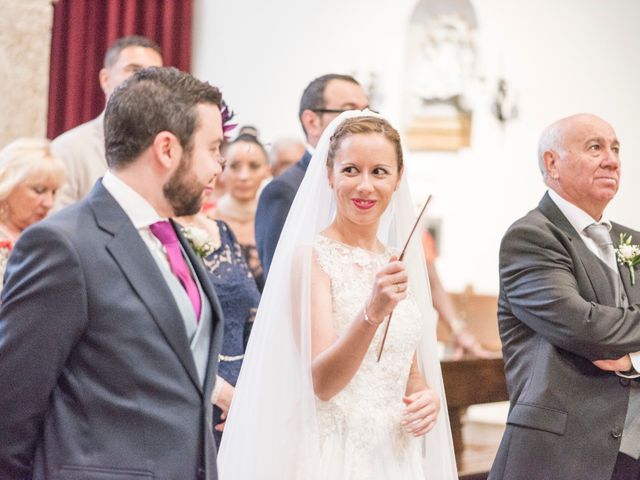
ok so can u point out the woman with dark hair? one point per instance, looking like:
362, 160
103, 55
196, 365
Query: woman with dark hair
246, 168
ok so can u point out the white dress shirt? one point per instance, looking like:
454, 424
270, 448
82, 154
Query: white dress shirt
139, 211
579, 220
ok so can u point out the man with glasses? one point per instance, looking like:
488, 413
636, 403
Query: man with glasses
324, 99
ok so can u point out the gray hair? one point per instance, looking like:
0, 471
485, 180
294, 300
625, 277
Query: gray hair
551, 139
281, 144
25, 159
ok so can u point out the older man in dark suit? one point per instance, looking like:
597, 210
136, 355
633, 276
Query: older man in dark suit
324, 99
568, 318
109, 328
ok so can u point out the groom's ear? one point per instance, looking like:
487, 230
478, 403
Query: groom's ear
166, 149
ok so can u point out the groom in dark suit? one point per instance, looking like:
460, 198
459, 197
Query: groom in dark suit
109, 328
324, 99
568, 320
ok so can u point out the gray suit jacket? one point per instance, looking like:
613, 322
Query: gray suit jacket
556, 314
97, 378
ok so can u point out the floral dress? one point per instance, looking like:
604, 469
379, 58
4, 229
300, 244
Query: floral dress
239, 297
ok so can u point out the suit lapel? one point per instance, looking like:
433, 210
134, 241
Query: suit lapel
596, 269
134, 259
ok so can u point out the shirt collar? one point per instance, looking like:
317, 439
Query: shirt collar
139, 211
578, 218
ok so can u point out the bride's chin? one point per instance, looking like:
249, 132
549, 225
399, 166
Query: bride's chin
360, 222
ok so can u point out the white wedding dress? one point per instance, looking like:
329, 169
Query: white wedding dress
277, 429
359, 429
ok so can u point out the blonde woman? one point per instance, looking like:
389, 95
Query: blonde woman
29, 179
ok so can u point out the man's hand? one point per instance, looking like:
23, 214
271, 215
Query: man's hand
622, 364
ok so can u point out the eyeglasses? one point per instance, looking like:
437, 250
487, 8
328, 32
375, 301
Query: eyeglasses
328, 110
338, 110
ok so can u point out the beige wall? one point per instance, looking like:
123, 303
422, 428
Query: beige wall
25, 41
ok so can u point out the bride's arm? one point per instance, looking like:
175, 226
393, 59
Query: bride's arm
422, 403
336, 359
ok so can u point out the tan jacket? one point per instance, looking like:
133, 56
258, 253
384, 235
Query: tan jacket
81, 149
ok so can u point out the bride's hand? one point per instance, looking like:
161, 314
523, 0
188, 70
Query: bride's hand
223, 402
421, 412
389, 288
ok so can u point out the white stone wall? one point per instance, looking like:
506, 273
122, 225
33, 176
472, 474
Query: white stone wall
25, 43
561, 57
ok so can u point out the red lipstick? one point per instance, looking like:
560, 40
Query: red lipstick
362, 203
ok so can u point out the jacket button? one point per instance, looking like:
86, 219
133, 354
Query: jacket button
625, 382
616, 433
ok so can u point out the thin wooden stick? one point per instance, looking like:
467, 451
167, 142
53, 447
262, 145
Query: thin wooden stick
413, 230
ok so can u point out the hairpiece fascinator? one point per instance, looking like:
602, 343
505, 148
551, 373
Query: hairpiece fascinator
227, 115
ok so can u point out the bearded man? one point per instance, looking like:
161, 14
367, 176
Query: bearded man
109, 328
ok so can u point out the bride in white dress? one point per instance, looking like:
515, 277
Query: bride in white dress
312, 402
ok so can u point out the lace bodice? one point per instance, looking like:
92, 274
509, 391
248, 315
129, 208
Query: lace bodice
369, 408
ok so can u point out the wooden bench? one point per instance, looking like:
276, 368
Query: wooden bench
471, 381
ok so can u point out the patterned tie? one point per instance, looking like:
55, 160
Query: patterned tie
167, 235
599, 233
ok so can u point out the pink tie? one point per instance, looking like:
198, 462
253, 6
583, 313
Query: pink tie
166, 234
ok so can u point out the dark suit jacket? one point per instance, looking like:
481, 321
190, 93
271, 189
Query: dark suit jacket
273, 208
97, 378
556, 314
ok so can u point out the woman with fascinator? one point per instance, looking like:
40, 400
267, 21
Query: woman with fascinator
312, 401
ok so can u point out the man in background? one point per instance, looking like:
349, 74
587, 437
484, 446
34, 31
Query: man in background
81, 149
284, 153
324, 99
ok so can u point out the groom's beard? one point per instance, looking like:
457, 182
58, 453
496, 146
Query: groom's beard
183, 191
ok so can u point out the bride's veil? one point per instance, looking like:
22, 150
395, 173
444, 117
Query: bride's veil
271, 431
